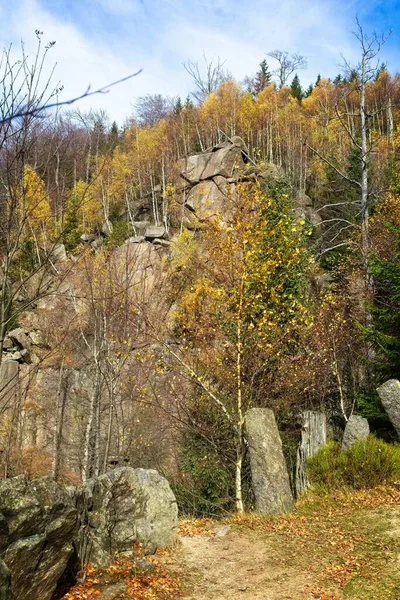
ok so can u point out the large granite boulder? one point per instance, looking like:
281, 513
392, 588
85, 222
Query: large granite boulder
226, 160
208, 197
37, 525
389, 393
122, 507
313, 437
357, 428
269, 473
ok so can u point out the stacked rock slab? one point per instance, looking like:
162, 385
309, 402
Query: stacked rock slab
269, 473
389, 394
208, 180
357, 428
37, 527
313, 437
122, 507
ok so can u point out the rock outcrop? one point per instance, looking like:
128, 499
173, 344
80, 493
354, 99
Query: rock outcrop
208, 180
5, 582
389, 394
224, 160
42, 524
357, 428
9, 381
269, 473
122, 507
37, 527
313, 437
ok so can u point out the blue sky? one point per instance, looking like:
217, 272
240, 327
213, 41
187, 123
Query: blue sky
99, 41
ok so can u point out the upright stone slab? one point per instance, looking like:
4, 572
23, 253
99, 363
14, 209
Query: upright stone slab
313, 437
389, 393
269, 473
357, 428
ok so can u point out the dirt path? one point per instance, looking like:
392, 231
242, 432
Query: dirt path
239, 566
350, 554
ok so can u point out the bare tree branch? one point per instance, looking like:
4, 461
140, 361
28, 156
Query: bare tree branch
26, 112
287, 64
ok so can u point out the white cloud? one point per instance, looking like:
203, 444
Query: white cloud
160, 36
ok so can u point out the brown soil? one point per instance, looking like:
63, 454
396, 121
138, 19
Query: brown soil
240, 566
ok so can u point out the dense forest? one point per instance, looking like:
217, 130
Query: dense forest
148, 348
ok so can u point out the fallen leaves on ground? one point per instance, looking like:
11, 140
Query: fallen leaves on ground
328, 532
136, 582
192, 527
334, 537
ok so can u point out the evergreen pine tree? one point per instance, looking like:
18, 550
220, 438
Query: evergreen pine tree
309, 91
113, 136
262, 78
178, 106
296, 89
188, 102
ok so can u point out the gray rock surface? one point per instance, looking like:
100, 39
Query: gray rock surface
5, 582
124, 506
313, 437
136, 239
208, 197
152, 232
37, 525
88, 237
161, 242
59, 253
36, 338
9, 381
357, 428
389, 393
18, 336
140, 227
269, 473
223, 161
7, 344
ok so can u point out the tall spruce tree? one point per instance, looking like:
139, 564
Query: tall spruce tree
296, 89
262, 78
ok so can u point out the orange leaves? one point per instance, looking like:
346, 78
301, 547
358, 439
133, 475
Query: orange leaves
342, 573
335, 538
130, 578
193, 527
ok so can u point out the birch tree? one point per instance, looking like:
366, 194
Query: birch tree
241, 313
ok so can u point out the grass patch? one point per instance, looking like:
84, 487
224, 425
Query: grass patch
367, 464
342, 540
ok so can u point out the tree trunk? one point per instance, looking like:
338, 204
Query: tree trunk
59, 424
239, 399
313, 437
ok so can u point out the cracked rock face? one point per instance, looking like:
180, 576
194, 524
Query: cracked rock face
122, 507
224, 161
37, 527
